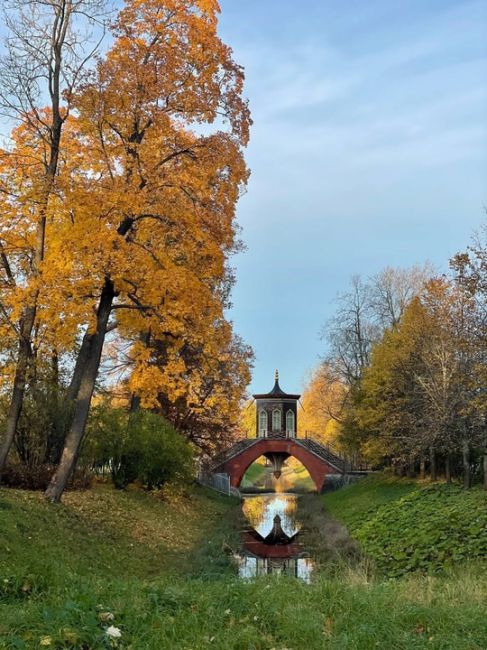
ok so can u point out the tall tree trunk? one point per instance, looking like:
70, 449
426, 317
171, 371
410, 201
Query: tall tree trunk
466, 463
410, 471
448, 467
20, 380
485, 468
81, 361
433, 470
76, 432
134, 403
422, 466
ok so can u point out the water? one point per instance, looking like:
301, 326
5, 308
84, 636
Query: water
271, 543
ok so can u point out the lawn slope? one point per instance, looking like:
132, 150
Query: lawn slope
160, 572
405, 526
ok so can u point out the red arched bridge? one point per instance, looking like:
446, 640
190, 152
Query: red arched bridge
276, 438
317, 458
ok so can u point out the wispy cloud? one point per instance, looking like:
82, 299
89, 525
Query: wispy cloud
369, 148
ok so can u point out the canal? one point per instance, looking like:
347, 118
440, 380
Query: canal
272, 540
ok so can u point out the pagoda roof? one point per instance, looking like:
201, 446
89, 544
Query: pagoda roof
276, 392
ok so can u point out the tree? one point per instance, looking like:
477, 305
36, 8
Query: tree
203, 400
45, 56
322, 401
351, 332
391, 402
363, 314
152, 203
419, 389
391, 291
470, 274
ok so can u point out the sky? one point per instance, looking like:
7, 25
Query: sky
369, 149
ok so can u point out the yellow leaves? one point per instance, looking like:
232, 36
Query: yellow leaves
247, 422
322, 401
149, 379
143, 199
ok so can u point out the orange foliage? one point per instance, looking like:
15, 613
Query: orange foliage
322, 401
145, 197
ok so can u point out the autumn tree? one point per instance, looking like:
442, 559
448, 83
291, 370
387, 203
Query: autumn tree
418, 390
362, 314
151, 200
202, 397
322, 403
47, 51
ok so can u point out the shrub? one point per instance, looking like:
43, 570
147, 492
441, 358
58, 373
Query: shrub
140, 447
18, 475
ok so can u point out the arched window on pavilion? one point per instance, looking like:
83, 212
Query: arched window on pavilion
276, 420
262, 422
290, 424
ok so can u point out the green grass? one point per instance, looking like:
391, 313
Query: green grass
359, 501
163, 570
263, 614
255, 472
405, 527
98, 531
294, 478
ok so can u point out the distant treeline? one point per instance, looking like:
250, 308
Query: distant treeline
404, 379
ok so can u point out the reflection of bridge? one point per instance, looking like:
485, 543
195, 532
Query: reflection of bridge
276, 439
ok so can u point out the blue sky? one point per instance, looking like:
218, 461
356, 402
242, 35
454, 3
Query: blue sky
369, 148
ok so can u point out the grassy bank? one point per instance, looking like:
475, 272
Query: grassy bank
294, 479
264, 614
158, 571
404, 527
97, 532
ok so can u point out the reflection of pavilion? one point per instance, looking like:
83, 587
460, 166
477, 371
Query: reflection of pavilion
276, 536
277, 544
271, 544
277, 553
297, 567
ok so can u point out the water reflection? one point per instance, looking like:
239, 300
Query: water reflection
271, 544
251, 567
260, 511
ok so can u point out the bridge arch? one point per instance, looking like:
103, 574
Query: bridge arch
237, 465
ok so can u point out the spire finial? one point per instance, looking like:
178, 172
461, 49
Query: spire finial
276, 376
